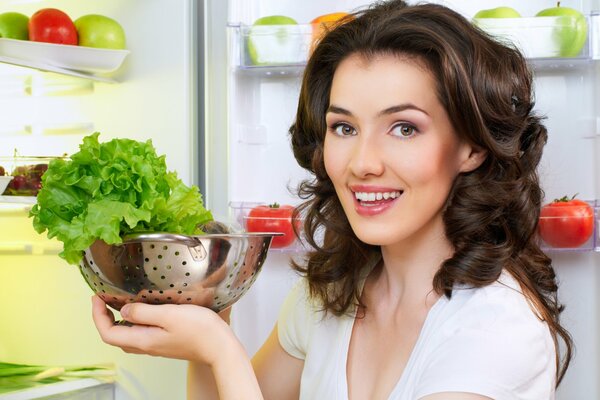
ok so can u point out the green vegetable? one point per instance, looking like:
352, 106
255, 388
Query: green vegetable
107, 190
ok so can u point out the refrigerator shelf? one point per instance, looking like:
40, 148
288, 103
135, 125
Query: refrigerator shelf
279, 50
18, 199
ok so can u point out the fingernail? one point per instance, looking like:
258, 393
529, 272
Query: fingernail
125, 311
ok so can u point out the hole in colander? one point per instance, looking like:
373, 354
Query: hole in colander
162, 277
95, 284
155, 268
187, 274
156, 300
160, 291
184, 284
169, 298
159, 256
184, 263
103, 291
91, 262
150, 291
179, 292
151, 246
169, 267
139, 249
101, 284
189, 299
171, 285
165, 247
176, 253
143, 296
146, 259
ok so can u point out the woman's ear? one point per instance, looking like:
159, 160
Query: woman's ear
475, 157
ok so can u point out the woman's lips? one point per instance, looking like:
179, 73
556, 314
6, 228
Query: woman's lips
371, 208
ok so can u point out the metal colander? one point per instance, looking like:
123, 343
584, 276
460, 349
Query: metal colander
212, 270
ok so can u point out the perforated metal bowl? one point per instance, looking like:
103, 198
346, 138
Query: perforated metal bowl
212, 270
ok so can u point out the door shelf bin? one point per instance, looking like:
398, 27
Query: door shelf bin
268, 46
241, 211
553, 228
539, 37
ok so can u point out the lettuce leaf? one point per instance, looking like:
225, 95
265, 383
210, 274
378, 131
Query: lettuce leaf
108, 190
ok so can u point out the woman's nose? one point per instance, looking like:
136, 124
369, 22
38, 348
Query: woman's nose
367, 158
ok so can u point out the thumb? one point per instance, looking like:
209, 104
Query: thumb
144, 314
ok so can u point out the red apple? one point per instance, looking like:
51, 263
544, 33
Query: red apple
51, 25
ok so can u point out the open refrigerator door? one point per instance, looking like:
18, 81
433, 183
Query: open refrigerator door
151, 94
250, 160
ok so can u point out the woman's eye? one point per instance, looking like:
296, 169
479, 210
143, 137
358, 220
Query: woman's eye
404, 130
343, 130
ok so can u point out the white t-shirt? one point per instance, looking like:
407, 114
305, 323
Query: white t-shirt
486, 341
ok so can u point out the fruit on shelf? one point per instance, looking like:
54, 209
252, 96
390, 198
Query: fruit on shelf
570, 41
566, 223
323, 24
498, 12
14, 25
273, 218
27, 180
51, 25
270, 40
99, 31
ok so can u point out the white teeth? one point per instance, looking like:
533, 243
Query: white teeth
372, 196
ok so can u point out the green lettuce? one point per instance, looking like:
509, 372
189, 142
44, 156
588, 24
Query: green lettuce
108, 190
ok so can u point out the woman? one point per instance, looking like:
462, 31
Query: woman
428, 282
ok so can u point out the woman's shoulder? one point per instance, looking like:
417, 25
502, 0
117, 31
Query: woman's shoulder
493, 336
500, 304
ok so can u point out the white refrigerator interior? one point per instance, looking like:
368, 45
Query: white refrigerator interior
45, 310
255, 161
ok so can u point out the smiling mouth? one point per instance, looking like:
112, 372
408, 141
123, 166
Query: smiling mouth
370, 199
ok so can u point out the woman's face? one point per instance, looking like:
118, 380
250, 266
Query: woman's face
390, 149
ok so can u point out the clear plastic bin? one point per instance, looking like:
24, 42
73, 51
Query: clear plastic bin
273, 45
26, 173
241, 215
537, 37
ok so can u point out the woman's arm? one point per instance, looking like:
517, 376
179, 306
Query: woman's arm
184, 332
277, 372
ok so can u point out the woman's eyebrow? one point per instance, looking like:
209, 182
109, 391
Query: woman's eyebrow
402, 107
338, 110
390, 110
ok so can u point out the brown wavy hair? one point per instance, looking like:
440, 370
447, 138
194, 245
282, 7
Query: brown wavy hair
491, 213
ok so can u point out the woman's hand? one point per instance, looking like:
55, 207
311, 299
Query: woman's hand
183, 331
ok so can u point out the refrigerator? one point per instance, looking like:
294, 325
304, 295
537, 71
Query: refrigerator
155, 94
190, 85
251, 104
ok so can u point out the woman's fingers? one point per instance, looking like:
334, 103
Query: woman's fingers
145, 314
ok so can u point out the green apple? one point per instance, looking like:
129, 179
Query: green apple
498, 12
99, 31
14, 25
271, 42
570, 41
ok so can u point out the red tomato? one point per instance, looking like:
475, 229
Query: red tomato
52, 26
273, 218
566, 222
